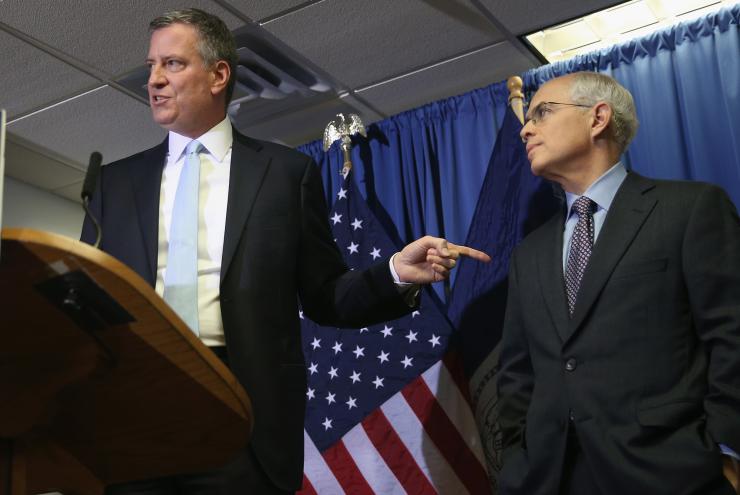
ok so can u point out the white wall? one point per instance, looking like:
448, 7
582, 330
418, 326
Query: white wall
28, 206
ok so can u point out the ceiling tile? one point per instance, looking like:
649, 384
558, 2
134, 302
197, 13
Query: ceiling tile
303, 125
360, 42
26, 164
110, 36
261, 9
71, 191
31, 78
457, 76
104, 120
525, 16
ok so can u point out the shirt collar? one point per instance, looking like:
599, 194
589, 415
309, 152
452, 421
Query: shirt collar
217, 140
602, 191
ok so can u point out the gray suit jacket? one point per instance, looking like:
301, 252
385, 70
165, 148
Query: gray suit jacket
647, 370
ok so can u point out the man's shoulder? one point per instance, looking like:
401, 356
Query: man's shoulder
541, 236
279, 152
679, 196
155, 153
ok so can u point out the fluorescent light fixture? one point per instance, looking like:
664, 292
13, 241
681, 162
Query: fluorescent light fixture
617, 24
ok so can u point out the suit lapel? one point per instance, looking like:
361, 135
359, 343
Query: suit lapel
146, 181
551, 275
630, 208
248, 168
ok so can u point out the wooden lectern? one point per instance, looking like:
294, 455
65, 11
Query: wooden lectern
100, 381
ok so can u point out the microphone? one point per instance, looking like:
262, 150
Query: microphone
88, 188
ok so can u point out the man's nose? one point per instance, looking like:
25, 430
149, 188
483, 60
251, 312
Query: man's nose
526, 131
156, 77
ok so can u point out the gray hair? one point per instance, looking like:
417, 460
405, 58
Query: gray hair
589, 88
215, 41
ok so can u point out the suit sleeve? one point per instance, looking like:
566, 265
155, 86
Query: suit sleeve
516, 377
711, 263
331, 294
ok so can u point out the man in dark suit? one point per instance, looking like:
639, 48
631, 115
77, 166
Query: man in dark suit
620, 358
257, 238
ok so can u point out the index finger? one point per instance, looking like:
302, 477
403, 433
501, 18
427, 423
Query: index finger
469, 252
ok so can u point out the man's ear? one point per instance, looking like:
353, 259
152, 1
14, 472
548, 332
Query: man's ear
601, 119
220, 74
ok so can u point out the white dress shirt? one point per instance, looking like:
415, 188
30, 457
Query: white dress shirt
215, 164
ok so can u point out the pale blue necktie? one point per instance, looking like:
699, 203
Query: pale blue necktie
181, 278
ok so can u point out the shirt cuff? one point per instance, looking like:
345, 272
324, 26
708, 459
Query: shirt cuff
395, 276
728, 451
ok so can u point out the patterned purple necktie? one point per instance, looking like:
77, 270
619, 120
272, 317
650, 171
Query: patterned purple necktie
580, 248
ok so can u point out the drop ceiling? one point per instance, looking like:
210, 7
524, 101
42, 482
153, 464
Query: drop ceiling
63, 63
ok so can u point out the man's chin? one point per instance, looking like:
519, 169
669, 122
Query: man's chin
163, 120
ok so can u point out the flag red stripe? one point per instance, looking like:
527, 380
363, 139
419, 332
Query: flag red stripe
397, 457
452, 361
446, 437
345, 470
307, 488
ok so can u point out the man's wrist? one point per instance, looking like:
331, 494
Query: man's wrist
394, 274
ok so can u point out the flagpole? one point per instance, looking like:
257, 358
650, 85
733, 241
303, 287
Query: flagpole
516, 96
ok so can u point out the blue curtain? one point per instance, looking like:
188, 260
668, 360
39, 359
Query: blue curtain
686, 85
421, 171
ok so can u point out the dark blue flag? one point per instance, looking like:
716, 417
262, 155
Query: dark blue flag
512, 202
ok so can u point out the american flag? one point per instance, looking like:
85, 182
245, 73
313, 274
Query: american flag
387, 411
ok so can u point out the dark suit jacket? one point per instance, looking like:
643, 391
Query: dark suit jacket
648, 367
277, 246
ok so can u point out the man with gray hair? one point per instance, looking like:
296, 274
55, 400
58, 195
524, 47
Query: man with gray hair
620, 357
232, 231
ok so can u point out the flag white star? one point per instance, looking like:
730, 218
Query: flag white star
337, 347
375, 253
355, 377
378, 382
352, 402
359, 351
383, 357
414, 314
326, 424
300, 315
357, 224
406, 361
314, 368
337, 218
363, 329
353, 247
386, 331
330, 398
342, 194
310, 394
333, 372
434, 341
316, 343
411, 336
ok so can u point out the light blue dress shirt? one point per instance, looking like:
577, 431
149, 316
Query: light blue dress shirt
602, 192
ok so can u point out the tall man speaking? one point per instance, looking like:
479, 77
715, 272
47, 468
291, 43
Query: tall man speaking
232, 231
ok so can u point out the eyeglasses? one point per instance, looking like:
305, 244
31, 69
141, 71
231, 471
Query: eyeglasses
538, 113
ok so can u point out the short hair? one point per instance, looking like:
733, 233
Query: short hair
589, 88
215, 41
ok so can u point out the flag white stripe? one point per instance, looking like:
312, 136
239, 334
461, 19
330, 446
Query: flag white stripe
426, 454
317, 471
443, 386
372, 466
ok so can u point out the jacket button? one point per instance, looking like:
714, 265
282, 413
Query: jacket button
571, 415
570, 364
